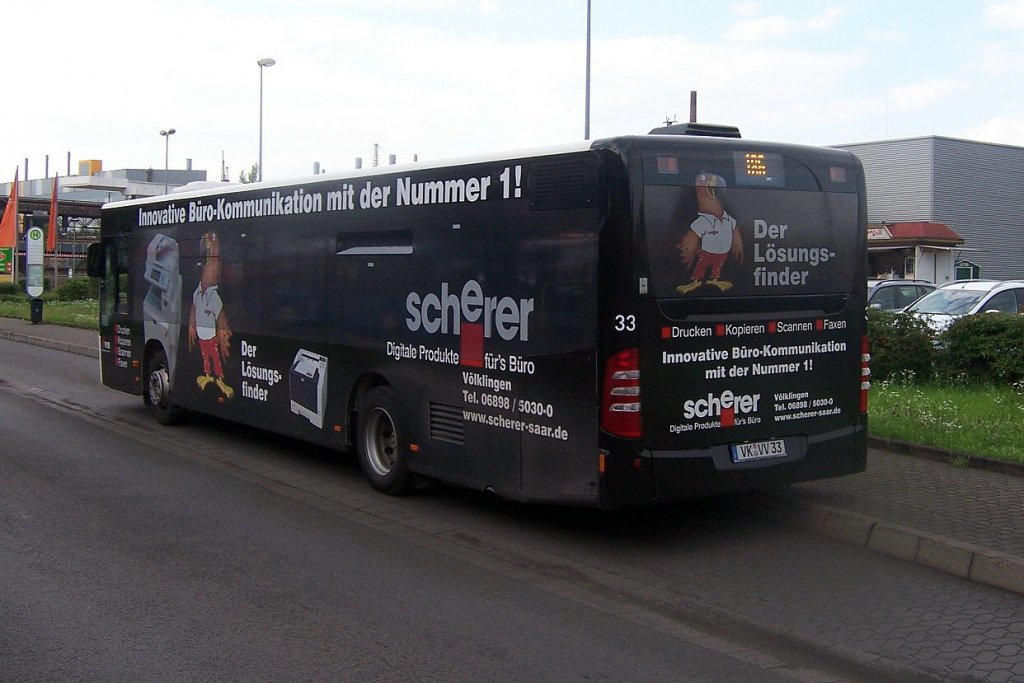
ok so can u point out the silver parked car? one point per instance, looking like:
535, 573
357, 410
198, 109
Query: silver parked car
968, 297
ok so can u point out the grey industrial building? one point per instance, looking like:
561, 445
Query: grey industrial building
976, 189
79, 199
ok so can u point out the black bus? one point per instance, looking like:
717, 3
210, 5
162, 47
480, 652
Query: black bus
626, 321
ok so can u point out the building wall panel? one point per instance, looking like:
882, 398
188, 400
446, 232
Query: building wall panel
975, 188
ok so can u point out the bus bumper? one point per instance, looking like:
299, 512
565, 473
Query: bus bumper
680, 475
654, 477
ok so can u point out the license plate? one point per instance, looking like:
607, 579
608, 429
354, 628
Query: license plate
742, 452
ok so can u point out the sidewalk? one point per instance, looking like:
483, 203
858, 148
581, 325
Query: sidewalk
966, 521
71, 339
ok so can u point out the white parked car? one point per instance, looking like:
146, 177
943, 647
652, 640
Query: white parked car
967, 297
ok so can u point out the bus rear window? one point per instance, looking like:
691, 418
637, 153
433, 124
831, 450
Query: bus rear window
750, 223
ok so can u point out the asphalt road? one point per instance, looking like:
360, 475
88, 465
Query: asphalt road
130, 551
124, 562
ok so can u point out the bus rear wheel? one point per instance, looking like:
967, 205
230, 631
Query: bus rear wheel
157, 393
379, 443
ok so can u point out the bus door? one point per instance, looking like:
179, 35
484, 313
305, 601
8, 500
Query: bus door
751, 329
554, 380
120, 341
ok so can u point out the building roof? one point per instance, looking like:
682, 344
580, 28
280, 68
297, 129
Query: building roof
920, 232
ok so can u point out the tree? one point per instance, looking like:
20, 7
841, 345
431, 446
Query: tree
250, 177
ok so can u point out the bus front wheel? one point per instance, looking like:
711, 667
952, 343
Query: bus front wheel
157, 393
379, 443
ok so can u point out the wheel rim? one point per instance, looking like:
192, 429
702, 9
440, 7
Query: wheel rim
381, 442
159, 383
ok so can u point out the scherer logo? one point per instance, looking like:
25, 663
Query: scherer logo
471, 316
726, 406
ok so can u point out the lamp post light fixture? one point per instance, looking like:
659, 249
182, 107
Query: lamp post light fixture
167, 146
265, 62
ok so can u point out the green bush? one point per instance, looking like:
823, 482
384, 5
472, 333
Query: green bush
901, 345
979, 349
986, 348
78, 289
10, 289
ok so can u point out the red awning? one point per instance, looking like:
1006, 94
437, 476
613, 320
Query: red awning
921, 232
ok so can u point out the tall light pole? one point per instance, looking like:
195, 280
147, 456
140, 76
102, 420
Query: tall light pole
586, 106
265, 62
167, 147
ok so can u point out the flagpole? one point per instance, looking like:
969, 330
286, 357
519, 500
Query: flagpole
14, 250
51, 235
16, 229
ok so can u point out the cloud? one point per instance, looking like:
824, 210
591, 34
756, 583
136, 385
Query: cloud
999, 58
1004, 130
826, 20
923, 94
754, 88
745, 9
876, 35
767, 28
1005, 15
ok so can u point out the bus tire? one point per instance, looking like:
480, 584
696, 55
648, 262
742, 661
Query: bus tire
157, 392
378, 443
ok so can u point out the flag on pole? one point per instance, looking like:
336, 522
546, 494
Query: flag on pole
9, 223
51, 233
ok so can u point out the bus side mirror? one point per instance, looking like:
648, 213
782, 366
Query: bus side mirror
94, 261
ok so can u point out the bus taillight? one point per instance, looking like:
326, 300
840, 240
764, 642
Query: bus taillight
620, 397
865, 374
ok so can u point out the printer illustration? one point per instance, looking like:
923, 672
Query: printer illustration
307, 380
162, 306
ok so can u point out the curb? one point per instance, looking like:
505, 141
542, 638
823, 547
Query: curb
954, 458
51, 343
957, 558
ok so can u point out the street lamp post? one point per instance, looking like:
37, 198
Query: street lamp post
265, 62
167, 148
586, 105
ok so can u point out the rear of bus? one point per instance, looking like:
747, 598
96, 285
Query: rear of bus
736, 353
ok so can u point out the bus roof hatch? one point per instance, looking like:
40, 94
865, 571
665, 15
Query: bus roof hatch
705, 129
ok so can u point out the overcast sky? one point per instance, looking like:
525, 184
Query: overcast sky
444, 78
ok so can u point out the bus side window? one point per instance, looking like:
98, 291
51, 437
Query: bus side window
243, 276
294, 286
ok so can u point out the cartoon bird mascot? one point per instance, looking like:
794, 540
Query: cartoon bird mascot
208, 321
712, 237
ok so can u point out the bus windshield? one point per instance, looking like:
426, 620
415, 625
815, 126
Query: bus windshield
749, 223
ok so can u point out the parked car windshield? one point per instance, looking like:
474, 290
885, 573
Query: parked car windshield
947, 301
